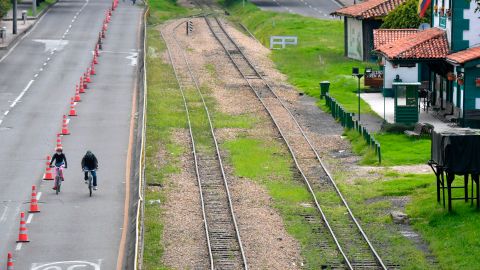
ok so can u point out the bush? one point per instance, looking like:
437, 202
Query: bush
396, 128
5, 6
406, 16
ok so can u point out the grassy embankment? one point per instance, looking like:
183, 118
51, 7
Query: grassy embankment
451, 237
318, 57
164, 114
41, 7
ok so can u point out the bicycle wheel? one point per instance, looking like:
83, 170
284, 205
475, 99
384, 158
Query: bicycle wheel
57, 184
90, 185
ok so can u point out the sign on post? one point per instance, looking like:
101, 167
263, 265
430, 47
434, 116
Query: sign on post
282, 41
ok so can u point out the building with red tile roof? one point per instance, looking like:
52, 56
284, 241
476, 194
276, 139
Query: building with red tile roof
359, 22
369, 9
444, 58
428, 44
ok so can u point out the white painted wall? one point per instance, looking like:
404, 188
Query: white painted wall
355, 39
436, 19
409, 75
473, 34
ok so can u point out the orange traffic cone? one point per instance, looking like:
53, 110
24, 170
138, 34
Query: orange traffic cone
10, 262
48, 171
109, 12
86, 75
81, 88
84, 80
95, 60
23, 233
92, 70
59, 142
103, 33
72, 112
97, 47
65, 130
77, 96
33, 201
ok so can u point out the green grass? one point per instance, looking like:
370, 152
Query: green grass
319, 56
41, 7
396, 149
452, 237
165, 113
267, 163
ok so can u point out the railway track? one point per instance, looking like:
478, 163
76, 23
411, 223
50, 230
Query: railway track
353, 249
223, 238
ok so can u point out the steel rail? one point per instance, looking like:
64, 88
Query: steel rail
217, 149
194, 152
344, 202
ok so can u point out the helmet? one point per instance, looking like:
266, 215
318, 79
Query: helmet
59, 149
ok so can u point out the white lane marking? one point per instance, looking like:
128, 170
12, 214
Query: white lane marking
75, 16
35, 76
41, 69
52, 52
5, 211
48, 59
29, 219
44, 64
19, 246
39, 195
1, 121
69, 265
21, 94
73, 20
66, 32
5, 113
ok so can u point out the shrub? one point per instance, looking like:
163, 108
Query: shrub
406, 16
5, 6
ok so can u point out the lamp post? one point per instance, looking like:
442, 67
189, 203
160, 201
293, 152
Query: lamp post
356, 73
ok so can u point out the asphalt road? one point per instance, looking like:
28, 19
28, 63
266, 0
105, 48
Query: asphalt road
310, 8
37, 80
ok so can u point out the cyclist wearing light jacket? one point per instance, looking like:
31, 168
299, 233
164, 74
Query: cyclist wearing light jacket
90, 163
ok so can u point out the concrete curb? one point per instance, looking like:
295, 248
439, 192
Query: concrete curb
19, 36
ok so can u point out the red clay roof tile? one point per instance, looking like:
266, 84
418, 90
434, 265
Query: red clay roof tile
385, 36
428, 44
369, 9
464, 56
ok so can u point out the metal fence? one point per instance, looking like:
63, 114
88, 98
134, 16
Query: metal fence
347, 121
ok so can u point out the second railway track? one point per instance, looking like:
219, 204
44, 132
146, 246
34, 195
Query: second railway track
222, 235
350, 241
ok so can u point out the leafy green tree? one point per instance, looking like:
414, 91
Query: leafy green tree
5, 6
406, 16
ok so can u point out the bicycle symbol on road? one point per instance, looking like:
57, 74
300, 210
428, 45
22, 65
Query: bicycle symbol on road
67, 265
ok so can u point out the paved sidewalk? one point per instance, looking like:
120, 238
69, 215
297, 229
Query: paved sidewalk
375, 100
21, 28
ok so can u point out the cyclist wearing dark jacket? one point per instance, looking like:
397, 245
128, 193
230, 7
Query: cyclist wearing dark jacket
59, 158
90, 163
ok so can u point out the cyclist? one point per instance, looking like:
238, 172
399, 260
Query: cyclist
90, 163
60, 161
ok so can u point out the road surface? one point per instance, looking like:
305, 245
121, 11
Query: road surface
37, 80
311, 8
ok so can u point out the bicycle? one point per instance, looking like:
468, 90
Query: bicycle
90, 180
58, 177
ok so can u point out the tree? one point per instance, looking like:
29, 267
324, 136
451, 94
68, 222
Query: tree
406, 16
5, 6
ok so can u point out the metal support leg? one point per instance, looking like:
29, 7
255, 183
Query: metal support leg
465, 181
477, 196
450, 178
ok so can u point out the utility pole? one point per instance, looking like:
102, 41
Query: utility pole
34, 8
14, 29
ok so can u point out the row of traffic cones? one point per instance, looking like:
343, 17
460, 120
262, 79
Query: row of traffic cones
80, 89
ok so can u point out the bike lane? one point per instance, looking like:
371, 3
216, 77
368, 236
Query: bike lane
70, 227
